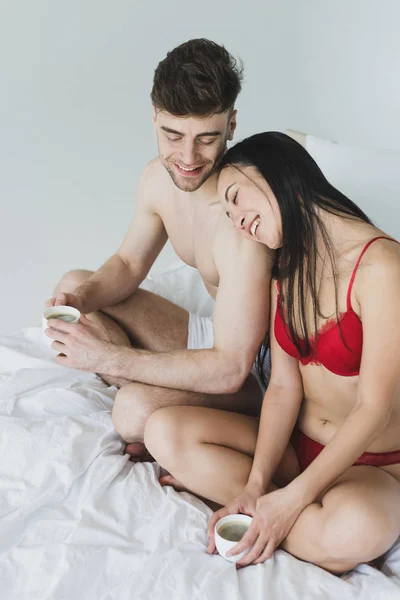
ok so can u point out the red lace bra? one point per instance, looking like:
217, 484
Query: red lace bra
327, 347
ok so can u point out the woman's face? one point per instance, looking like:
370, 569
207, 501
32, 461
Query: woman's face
249, 202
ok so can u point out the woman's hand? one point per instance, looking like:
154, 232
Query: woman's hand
244, 504
84, 345
273, 518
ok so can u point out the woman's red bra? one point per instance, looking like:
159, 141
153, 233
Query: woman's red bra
328, 347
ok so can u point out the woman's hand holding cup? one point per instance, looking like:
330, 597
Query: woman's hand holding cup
244, 504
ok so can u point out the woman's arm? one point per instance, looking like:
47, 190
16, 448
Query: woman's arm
280, 410
279, 413
377, 289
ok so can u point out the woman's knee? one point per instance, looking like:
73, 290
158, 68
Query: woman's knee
133, 406
356, 532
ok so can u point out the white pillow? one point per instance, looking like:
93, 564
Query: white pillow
371, 178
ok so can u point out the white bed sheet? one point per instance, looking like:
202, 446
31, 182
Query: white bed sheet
79, 521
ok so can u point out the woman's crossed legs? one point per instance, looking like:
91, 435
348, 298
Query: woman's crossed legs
210, 452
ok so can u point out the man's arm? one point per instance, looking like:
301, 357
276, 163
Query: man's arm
121, 274
240, 322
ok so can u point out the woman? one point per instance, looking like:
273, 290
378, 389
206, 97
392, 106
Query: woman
320, 472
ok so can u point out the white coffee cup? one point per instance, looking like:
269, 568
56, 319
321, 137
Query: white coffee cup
222, 544
68, 314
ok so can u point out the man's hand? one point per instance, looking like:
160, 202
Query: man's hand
85, 345
65, 299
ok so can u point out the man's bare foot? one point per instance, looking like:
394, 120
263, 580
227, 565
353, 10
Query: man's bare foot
138, 452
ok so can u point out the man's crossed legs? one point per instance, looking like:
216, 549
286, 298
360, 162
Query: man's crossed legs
148, 321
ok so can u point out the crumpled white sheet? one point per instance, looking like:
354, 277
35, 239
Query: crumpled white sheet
79, 521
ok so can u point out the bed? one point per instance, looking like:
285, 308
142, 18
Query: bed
78, 520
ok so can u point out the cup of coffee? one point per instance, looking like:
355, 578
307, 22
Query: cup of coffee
228, 531
69, 314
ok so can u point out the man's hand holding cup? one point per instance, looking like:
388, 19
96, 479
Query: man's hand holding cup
66, 299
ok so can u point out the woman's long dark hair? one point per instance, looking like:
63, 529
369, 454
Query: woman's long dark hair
301, 190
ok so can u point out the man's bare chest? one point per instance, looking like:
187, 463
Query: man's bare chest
191, 232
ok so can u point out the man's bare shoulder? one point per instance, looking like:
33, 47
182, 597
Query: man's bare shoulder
154, 180
155, 175
231, 247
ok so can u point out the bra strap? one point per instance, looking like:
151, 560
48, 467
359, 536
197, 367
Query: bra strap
379, 237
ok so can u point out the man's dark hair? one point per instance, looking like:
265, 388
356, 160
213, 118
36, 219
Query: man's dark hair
198, 78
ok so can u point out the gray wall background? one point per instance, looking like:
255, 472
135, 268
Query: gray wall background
75, 114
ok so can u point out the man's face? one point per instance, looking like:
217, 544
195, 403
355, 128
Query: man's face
190, 148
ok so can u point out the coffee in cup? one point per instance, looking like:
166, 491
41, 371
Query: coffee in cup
233, 531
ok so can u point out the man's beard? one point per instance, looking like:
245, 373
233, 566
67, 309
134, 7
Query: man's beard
188, 185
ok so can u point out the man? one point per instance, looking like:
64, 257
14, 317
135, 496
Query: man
153, 350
